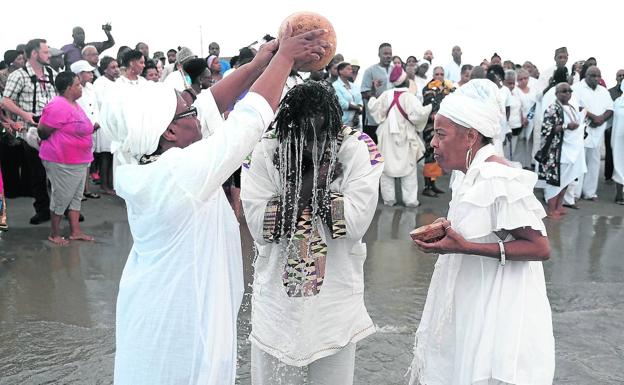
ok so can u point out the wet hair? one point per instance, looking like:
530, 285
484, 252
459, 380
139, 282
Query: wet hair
64, 80
33, 45
105, 62
411, 57
301, 104
131, 55
172, 50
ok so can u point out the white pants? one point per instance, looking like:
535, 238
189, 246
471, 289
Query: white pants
409, 189
588, 183
336, 369
569, 198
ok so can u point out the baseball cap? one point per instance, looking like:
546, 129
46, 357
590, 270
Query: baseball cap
81, 66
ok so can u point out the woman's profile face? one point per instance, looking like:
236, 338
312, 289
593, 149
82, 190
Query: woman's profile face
449, 144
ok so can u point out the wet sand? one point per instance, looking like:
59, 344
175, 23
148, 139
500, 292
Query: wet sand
57, 304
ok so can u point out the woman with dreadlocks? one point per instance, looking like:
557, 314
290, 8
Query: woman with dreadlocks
309, 192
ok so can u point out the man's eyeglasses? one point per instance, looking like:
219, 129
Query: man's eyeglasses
191, 112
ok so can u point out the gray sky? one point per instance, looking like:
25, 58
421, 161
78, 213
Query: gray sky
516, 30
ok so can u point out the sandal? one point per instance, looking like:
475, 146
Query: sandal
92, 195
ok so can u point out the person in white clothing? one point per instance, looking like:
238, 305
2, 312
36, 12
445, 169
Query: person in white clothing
452, 71
562, 153
598, 106
496, 75
617, 145
178, 79
527, 96
514, 119
89, 104
561, 59
182, 284
486, 318
309, 192
402, 120
103, 87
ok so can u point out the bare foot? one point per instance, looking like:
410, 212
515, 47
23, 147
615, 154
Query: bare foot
553, 214
81, 237
58, 240
562, 211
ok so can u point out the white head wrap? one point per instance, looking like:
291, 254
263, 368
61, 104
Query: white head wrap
135, 118
474, 105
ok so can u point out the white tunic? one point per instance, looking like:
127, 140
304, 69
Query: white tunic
597, 102
103, 87
482, 320
182, 285
617, 140
399, 139
89, 103
300, 330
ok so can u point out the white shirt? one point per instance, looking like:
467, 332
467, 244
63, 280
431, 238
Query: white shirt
89, 103
452, 71
182, 284
300, 330
597, 102
515, 109
176, 80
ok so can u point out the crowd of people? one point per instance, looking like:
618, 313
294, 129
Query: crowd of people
304, 162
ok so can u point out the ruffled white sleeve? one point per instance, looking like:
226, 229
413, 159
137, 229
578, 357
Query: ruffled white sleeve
497, 197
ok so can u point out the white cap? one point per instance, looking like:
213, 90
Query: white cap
81, 66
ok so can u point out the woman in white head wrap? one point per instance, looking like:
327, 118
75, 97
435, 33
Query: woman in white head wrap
182, 283
486, 319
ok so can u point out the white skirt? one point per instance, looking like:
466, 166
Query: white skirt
569, 172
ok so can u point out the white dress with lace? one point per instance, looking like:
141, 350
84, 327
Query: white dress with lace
484, 323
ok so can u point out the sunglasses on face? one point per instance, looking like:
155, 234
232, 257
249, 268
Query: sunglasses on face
191, 112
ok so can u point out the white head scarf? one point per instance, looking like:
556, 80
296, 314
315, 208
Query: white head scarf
474, 105
136, 117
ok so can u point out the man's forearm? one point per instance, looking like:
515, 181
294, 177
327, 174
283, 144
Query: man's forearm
9, 105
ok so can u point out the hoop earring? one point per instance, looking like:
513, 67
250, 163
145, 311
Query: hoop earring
468, 158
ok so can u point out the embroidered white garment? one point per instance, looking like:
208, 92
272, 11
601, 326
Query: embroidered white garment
300, 330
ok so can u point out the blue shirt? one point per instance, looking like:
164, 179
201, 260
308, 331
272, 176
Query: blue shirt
345, 96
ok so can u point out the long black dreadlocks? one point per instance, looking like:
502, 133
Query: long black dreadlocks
296, 130
304, 102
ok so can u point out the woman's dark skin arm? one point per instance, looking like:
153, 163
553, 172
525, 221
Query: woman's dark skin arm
44, 131
529, 245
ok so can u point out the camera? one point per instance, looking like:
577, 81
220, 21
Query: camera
36, 118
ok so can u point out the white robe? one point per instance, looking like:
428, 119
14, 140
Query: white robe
617, 140
89, 103
483, 321
300, 330
182, 284
398, 138
103, 87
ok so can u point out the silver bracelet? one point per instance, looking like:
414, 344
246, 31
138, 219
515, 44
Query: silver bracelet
501, 246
